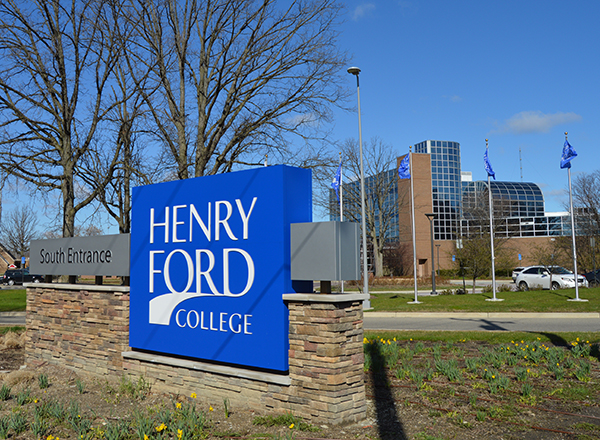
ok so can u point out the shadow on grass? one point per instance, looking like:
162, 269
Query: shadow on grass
388, 424
557, 340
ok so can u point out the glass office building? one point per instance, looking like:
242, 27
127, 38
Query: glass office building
461, 205
511, 199
445, 186
518, 210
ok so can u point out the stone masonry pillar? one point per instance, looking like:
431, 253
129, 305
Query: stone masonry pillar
326, 357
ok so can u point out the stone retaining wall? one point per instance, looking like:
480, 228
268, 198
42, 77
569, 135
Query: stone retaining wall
77, 326
86, 328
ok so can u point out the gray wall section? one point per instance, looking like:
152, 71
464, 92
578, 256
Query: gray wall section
101, 255
325, 251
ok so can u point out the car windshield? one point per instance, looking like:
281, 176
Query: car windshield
560, 271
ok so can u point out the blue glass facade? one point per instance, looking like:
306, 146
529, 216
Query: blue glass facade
518, 210
445, 186
511, 199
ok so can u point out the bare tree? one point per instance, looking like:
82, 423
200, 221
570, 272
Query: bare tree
586, 204
17, 230
381, 193
57, 59
473, 253
229, 81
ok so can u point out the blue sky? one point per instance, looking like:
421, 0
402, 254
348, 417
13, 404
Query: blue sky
519, 73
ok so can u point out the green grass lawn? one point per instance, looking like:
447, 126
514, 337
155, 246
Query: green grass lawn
12, 300
532, 301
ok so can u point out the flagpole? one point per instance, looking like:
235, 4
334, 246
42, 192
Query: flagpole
412, 204
341, 201
573, 237
341, 192
491, 235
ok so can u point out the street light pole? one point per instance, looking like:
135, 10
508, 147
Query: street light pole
430, 217
367, 303
438, 259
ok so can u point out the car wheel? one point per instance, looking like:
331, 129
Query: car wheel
555, 285
36, 280
594, 283
523, 285
11, 282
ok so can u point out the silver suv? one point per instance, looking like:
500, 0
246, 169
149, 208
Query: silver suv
548, 277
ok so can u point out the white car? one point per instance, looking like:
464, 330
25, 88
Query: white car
516, 271
548, 277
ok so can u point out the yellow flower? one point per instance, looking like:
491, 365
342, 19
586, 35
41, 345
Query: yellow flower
161, 427
577, 339
194, 395
145, 437
292, 426
178, 405
50, 437
493, 377
365, 341
35, 401
210, 408
179, 434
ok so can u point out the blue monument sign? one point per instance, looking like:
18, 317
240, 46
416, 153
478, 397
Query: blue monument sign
210, 260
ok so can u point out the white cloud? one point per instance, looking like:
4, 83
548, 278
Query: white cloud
362, 10
536, 122
453, 98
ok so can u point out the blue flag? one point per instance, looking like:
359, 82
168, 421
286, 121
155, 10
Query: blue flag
568, 154
404, 168
337, 180
488, 165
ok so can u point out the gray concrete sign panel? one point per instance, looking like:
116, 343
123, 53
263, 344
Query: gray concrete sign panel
100, 255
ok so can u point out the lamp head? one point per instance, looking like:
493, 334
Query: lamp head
431, 216
354, 70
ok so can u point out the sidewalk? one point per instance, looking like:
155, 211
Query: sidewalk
484, 315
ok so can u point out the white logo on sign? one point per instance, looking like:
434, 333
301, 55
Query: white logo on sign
162, 306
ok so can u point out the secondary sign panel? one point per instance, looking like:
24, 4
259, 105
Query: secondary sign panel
100, 255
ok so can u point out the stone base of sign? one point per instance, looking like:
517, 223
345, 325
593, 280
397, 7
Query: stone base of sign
86, 328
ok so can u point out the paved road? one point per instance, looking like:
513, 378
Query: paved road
559, 322
12, 318
528, 322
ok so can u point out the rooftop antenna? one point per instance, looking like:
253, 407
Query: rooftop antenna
521, 164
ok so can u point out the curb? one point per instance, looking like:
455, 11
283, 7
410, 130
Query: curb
484, 315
